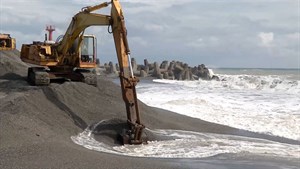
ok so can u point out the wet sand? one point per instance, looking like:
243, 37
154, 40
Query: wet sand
36, 125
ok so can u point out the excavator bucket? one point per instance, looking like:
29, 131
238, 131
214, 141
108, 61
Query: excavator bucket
6, 42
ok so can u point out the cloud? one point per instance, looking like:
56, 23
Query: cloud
294, 36
153, 27
206, 42
231, 33
266, 39
139, 41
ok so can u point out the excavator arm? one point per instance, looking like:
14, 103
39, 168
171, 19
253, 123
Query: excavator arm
84, 19
127, 79
79, 23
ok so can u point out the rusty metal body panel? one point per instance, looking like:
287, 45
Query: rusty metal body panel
43, 54
127, 79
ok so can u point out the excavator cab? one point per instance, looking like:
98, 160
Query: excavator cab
6, 42
88, 52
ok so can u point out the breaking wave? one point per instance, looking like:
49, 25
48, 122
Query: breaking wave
266, 104
272, 83
240, 82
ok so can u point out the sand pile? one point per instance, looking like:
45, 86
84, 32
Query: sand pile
10, 62
36, 123
61, 109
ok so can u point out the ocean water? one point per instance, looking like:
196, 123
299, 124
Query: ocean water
259, 100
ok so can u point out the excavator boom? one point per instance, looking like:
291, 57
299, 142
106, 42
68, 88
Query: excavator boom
79, 23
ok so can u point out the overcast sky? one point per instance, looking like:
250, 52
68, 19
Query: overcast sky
218, 33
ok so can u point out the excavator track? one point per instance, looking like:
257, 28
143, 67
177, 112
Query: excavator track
90, 78
87, 76
38, 76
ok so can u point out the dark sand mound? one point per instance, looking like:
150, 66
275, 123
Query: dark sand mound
10, 63
36, 123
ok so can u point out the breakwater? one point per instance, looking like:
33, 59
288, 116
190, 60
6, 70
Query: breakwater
173, 70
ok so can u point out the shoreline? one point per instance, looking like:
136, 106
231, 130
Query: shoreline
50, 145
36, 125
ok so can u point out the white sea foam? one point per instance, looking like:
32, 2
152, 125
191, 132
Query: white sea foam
191, 145
266, 104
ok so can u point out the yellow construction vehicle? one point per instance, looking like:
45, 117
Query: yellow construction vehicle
6, 42
75, 54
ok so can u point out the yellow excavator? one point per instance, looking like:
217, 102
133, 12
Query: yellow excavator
7, 42
74, 55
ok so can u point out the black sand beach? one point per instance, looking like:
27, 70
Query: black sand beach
36, 125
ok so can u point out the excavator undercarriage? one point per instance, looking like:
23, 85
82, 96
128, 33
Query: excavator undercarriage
41, 76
